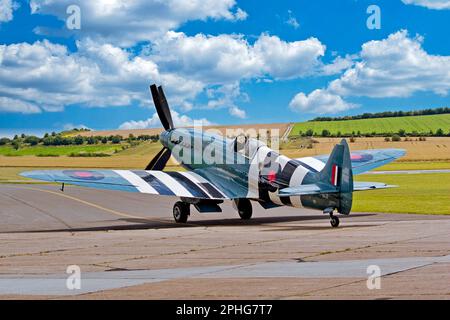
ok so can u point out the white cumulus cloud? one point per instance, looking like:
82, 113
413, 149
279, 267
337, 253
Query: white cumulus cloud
229, 58
18, 106
179, 120
430, 4
238, 113
102, 75
7, 8
319, 101
97, 75
125, 23
397, 66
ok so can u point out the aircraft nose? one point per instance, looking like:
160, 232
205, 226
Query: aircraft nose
164, 138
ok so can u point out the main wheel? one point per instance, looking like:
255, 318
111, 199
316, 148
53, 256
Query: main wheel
181, 212
245, 209
334, 221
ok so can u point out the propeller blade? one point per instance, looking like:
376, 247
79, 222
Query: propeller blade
160, 160
165, 106
162, 107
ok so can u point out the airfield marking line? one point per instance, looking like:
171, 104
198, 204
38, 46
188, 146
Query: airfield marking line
38, 209
118, 213
112, 211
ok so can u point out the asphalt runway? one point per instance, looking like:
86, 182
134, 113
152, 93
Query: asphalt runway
127, 246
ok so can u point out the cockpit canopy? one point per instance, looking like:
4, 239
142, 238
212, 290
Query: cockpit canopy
246, 146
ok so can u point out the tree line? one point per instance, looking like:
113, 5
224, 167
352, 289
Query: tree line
402, 133
387, 114
58, 139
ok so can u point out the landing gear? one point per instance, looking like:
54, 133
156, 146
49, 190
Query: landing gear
334, 221
181, 211
244, 208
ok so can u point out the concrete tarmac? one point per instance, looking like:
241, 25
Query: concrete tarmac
127, 246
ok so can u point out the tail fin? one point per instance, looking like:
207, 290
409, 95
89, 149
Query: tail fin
338, 172
338, 169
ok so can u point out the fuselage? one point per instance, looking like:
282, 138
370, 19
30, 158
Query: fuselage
249, 169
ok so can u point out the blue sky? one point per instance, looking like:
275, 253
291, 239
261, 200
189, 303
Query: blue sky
223, 61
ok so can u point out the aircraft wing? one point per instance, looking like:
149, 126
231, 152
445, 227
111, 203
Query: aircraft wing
180, 184
362, 161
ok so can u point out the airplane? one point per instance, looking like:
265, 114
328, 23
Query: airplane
250, 172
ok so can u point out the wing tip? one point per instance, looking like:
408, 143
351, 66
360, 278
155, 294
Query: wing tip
36, 175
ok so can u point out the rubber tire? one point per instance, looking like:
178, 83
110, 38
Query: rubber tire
245, 209
334, 221
181, 212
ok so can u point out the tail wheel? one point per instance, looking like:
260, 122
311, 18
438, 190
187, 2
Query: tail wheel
181, 211
334, 221
244, 207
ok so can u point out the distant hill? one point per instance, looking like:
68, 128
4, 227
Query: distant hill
421, 125
387, 114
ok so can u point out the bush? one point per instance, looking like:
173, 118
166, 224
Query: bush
439, 132
91, 140
47, 155
4, 141
325, 133
116, 139
89, 154
352, 139
78, 140
396, 138
32, 140
387, 139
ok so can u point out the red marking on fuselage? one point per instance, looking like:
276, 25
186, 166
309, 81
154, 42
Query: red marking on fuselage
272, 176
334, 175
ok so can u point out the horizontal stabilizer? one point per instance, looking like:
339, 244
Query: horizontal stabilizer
310, 189
362, 160
361, 186
306, 189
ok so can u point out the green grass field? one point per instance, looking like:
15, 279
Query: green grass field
58, 150
415, 165
421, 124
417, 193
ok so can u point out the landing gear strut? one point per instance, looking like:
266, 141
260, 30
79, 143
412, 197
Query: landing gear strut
181, 211
334, 221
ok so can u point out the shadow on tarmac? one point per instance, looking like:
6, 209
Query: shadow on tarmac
143, 224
